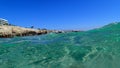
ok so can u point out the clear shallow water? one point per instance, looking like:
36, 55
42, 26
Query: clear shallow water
91, 49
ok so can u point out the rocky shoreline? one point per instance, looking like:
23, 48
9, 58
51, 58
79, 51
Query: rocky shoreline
7, 31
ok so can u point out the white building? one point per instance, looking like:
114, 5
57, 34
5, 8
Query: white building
3, 21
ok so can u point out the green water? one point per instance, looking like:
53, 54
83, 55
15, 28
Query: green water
99, 48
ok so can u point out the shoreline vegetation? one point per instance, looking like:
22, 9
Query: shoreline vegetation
9, 31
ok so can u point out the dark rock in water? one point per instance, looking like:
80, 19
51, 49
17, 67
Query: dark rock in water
64, 31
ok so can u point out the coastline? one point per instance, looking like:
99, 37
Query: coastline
7, 31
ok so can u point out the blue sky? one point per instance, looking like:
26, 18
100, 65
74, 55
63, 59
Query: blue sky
61, 14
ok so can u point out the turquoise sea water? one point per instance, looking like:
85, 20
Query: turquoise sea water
99, 48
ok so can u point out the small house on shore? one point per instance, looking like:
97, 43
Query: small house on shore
3, 22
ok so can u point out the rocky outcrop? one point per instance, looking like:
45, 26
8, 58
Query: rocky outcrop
7, 31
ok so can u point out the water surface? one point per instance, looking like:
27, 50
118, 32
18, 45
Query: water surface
91, 49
